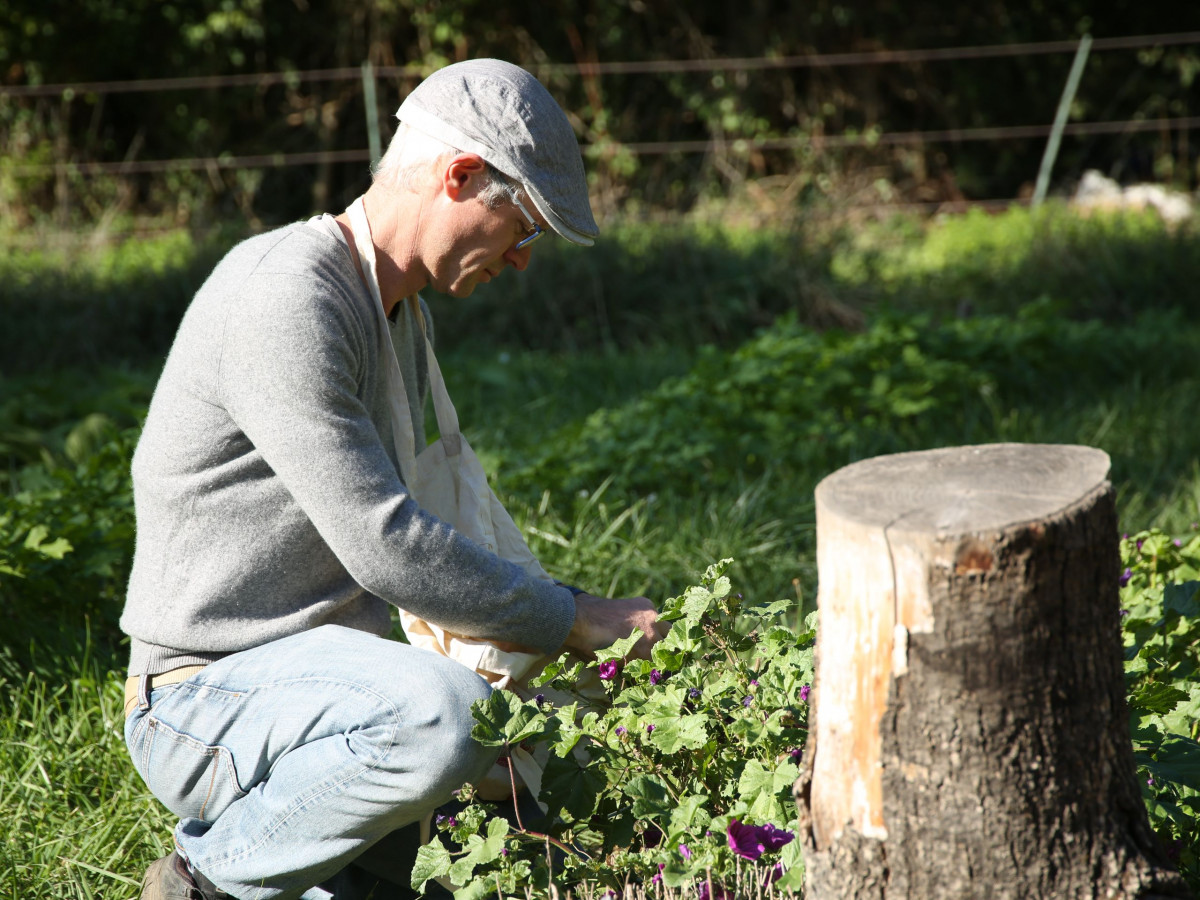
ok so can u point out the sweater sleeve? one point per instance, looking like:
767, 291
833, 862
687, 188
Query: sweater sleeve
294, 355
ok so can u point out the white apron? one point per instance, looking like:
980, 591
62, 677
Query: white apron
448, 480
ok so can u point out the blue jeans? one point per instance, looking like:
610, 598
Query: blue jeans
287, 761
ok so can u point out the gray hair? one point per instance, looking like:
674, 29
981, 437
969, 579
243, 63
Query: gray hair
412, 156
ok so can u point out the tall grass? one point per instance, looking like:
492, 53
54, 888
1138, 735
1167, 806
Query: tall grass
77, 821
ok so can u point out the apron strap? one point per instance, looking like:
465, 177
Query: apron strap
402, 422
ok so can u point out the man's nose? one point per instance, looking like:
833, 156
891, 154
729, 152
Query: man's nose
518, 259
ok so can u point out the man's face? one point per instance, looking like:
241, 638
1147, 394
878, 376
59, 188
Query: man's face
478, 244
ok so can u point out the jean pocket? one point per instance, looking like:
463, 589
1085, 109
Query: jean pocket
191, 778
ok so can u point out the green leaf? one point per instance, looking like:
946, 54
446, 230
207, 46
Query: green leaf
433, 861
696, 602
55, 549
771, 610
620, 649
651, 800
569, 787
1183, 599
569, 732
480, 851
760, 787
482, 888
1156, 698
505, 719
715, 573
1177, 760
689, 814
672, 734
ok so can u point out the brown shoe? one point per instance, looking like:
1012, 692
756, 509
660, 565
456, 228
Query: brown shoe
168, 878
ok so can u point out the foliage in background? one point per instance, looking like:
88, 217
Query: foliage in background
52, 42
73, 307
665, 288
1160, 597
795, 399
679, 774
66, 544
1103, 265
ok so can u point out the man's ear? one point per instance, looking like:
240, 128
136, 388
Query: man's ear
459, 173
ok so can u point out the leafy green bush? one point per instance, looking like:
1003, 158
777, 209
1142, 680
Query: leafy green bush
1160, 597
66, 544
812, 401
683, 777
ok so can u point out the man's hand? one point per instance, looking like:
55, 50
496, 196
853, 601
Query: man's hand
599, 621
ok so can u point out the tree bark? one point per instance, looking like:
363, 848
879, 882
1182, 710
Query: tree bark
969, 735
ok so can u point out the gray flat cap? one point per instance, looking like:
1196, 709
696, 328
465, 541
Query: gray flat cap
504, 114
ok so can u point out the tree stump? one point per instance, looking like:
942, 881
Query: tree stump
969, 735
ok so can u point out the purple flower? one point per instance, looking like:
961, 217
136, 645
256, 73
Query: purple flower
448, 821
754, 682
655, 676
747, 700
620, 730
775, 838
608, 670
694, 693
657, 879
1139, 544
650, 728
752, 841
684, 851
1150, 780
1125, 576
796, 753
804, 693
1178, 542
504, 851
717, 893
539, 699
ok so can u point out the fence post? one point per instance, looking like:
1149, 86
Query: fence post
1060, 119
372, 112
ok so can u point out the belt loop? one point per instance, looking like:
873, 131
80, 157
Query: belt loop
144, 692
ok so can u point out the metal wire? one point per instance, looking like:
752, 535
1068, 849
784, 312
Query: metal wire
638, 67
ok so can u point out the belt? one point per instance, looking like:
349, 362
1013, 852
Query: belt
136, 694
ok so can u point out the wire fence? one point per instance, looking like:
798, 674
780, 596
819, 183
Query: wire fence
817, 141
640, 67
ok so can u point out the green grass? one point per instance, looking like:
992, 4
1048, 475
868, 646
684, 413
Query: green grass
633, 456
77, 821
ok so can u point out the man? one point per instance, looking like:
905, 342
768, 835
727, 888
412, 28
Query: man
265, 706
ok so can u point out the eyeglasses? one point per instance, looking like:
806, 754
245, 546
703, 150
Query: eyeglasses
533, 235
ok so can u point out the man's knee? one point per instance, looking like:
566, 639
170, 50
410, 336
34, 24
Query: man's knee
453, 757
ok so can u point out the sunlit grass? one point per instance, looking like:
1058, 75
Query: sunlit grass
78, 823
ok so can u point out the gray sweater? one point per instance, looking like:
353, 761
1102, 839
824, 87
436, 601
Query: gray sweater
267, 502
